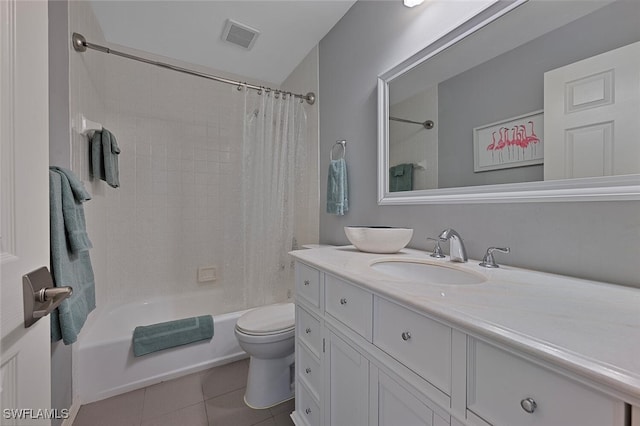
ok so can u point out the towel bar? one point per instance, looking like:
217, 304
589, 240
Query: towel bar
84, 126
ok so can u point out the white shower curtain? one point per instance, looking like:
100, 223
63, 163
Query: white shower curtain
273, 155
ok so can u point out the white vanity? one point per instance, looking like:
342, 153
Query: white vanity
519, 348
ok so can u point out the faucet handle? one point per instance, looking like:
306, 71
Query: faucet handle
437, 250
488, 261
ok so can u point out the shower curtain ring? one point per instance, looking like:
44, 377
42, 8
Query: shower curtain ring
240, 87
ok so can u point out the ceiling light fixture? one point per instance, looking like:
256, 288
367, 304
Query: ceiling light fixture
412, 3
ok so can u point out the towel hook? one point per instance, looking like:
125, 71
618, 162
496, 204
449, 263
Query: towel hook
339, 143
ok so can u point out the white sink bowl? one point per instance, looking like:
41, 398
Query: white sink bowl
416, 270
378, 239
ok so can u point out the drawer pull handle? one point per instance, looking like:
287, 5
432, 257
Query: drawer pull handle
528, 405
308, 370
308, 411
308, 330
343, 301
406, 335
306, 282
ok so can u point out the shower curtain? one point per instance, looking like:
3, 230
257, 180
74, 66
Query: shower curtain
273, 157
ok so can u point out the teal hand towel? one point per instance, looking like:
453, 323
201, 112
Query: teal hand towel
70, 261
104, 157
337, 188
164, 335
73, 195
401, 178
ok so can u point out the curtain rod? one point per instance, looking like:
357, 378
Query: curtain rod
427, 124
80, 44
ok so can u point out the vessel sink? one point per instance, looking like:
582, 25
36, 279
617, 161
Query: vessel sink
416, 270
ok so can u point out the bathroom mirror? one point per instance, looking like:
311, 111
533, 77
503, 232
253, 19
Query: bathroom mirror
528, 101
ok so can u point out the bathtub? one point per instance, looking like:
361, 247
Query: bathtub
103, 361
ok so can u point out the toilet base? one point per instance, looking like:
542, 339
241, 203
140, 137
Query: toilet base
270, 382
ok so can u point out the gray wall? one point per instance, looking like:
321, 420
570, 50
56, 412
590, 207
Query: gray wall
594, 240
512, 84
59, 133
59, 155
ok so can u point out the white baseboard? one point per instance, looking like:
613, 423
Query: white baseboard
73, 412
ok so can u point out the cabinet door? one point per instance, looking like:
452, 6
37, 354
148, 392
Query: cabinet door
346, 384
392, 404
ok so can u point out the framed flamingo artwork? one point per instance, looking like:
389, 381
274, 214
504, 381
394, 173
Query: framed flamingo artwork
515, 142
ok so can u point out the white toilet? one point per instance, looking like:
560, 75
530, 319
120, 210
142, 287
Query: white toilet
267, 335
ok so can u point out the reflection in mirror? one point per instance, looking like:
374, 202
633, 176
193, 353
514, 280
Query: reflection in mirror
534, 95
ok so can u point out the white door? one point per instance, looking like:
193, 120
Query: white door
347, 384
592, 116
24, 209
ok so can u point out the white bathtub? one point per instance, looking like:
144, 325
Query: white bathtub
103, 361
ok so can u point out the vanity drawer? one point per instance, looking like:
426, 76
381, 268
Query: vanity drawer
308, 330
420, 343
307, 407
308, 369
349, 304
502, 389
308, 284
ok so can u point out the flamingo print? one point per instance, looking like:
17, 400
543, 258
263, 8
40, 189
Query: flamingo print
502, 142
520, 142
533, 138
492, 145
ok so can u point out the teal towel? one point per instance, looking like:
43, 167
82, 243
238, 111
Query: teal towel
152, 338
401, 178
70, 261
104, 157
73, 195
337, 188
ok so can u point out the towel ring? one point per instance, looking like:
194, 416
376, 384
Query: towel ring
340, 144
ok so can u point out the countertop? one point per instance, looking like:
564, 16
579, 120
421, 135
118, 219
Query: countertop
589, 328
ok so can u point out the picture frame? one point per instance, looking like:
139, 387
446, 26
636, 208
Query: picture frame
514, 142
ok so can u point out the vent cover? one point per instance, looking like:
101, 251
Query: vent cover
239, 34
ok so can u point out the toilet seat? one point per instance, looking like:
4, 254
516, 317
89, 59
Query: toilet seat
268, 320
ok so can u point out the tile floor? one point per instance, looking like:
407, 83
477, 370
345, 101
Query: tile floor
209, 398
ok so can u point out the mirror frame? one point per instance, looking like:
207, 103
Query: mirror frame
608, 188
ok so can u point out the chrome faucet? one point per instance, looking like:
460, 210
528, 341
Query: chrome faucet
457, 252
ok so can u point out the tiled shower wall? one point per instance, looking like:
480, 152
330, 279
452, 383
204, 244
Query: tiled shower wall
178, 207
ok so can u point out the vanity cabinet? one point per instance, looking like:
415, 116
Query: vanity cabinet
309, 347
364, 359
339, 380
347, 381
506, 389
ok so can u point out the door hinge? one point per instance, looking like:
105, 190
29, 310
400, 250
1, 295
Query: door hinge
323, 345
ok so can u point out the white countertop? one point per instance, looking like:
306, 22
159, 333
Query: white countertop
590, 328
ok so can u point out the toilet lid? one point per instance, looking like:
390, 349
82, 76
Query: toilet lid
269, 319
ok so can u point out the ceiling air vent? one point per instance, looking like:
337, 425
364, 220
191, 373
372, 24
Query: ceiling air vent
240, 34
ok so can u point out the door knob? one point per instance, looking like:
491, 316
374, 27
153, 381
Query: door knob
529, 405
39, 295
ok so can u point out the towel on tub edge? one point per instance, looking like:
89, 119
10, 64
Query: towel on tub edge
164, 335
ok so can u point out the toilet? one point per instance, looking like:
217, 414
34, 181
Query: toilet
267, 335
